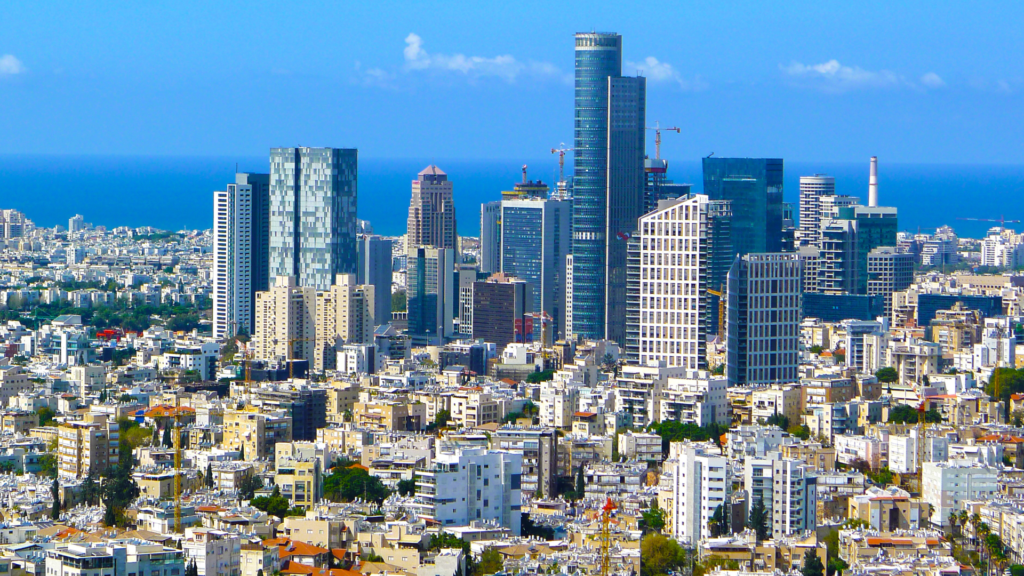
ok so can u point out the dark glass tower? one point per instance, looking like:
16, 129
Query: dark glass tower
754, 185
608, 183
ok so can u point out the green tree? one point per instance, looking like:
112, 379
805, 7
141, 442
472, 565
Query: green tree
248, 486
542, 376
780, 420
167, 443
347, 484
398, 303
55, 493
407, 487
719, 523
440, 420
812, 564
48, 465
490, 562
660, 555
275, 504
581, 484
119, 488
208, 479
654, 518
109, 516
529, 528
802, 432
46, 416
758, 520
887, 375
90, 489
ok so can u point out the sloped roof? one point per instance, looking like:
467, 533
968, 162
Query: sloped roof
432, 170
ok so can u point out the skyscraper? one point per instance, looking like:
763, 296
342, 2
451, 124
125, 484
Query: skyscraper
812, 188
763, 329
754, 185
313, 214
490, 237
501, 308
285, 323
241, 225
431, 288
657, 186
608, 167
375, 267
431, 211
535, 241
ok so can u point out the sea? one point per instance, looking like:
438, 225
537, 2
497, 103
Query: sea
176, 192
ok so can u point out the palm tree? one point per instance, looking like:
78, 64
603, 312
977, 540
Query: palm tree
953, 519
975, 521
982, 533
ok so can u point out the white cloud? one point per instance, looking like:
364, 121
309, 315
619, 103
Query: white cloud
658, 71
506, 67
832, 76
9, 65
932, 80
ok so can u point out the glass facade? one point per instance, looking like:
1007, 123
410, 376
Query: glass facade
754, 185
313, 214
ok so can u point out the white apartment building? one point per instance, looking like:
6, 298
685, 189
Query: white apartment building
903, 453
782, 400
240, 236
639, 388
849, 449
946, 485
557, 403
344, 315
285, 324
673, 278
812, 188
788, 489
700, 484
469, 484
640, 446
698, 397
216, 552
114, 560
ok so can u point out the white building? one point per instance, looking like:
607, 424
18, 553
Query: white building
698, 398
240, 236
700, 484
949, 483
472, 484
788, 489
812, 188
903, 453
216, 552
673, 275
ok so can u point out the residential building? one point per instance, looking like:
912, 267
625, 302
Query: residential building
255, 433
215, 552
948, 484
87, 446
812, 188
889, 271
788, 489
700, 485
696, 397
344, 315
313, 214
467, 484
539, 450
285, 325
241, 252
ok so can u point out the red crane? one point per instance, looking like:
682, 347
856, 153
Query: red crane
657, 137
561, 160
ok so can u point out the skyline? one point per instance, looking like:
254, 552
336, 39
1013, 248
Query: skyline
911, 83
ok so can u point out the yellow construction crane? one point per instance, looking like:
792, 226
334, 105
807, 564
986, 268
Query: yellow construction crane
177, 465
606, 537
721, 309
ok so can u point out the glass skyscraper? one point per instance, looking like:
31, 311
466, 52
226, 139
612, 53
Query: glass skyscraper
313, 214
608, 182
754, 185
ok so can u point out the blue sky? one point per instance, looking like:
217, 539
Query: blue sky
807, 81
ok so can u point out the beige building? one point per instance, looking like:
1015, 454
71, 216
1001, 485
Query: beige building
889, 510
285, 324
782, 400
384, 416
344, 315
256, 433
87, 445
13, 381
15, 422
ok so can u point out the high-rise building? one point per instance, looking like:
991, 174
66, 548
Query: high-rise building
344, 315
12, 224
763, 310
76, 224
241, 242
375, 267
720, 257
569, 331
536, 238
468, 484
812, 188
608, 182
657, 186
490, 237
673, 283
754, 185
431, 294
501, 310
846, 239
788, 489
431, 211
889, 271
285, 324
313, 221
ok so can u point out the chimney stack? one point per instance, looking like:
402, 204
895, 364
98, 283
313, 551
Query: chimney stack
873, 183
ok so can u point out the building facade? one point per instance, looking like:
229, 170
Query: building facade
241, 244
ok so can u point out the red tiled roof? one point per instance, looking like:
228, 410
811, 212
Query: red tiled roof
287, 548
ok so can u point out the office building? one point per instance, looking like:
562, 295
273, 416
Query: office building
285, 324
472, 484
466, 276
569, 329
241, 252
490, 237
431, 212
501, 310
889, 271
344, 315
673, 283
812, 188
608, 183
700, 484
375, 267
536, 238
763, 311
313, 222
754, 185
431, 295
658, 187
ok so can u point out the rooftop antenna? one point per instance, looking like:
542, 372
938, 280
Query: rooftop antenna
524, 173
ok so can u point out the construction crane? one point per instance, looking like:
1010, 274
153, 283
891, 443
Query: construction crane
721, 308
657, 137
1002, 221
177, 465
606, 537
561, 160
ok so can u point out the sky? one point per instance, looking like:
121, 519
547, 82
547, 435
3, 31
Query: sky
931, 82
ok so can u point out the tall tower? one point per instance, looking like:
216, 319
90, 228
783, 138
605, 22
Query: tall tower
754, 185
873, 183
241, 226
313, 214
608, 182
431, 211
812, 188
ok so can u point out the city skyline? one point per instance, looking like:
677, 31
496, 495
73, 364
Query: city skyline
800, 82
